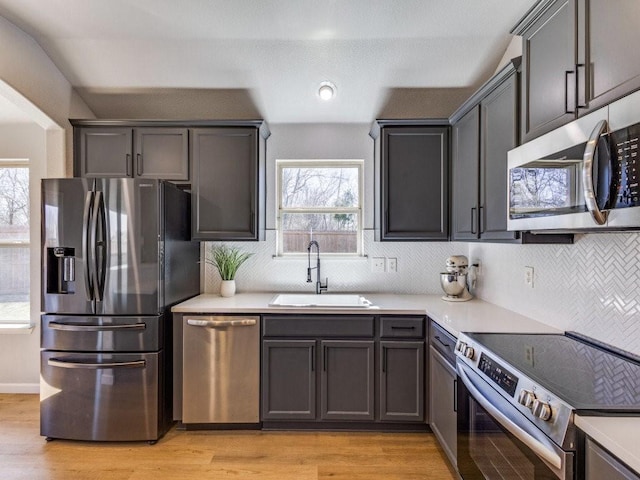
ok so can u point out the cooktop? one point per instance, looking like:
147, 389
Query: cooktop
586, 376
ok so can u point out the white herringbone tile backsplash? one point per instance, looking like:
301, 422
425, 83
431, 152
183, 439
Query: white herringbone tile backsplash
592, 286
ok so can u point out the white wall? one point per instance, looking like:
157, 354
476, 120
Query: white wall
30, 80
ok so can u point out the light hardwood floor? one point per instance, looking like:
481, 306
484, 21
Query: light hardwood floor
24, 454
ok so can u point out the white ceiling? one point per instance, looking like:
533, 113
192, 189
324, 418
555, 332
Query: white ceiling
277, 50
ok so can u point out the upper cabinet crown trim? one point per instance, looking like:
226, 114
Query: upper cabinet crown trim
532, 16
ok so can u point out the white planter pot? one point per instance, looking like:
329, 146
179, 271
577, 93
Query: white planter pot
228, 288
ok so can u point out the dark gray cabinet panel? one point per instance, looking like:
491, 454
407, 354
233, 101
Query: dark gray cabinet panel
347, 391
103, 152
225, 183
402, 381
465, 167
442, 396
608, 53
600, 464
414, 182
549, 70
498, 135
289, 379
151, 152
162, 153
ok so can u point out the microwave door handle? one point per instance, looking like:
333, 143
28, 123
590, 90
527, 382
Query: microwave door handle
526, 437
599, 216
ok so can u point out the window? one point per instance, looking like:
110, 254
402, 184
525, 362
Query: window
319, 200
14, 241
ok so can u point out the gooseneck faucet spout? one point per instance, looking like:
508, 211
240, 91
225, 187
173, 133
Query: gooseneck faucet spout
319, 286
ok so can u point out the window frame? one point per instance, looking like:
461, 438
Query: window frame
19, 163
357, 210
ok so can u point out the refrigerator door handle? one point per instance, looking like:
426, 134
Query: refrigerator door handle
86, 242
55, 362
99, 245
74, 327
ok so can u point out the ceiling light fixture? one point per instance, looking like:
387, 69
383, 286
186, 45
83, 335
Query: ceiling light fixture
326, 91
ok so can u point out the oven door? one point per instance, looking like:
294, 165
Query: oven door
495, 441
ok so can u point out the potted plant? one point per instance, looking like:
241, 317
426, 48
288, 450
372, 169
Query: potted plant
227, 260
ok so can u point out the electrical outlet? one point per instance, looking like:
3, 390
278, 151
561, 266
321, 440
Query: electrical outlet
528, 355
528, 276
377, 264
392, 265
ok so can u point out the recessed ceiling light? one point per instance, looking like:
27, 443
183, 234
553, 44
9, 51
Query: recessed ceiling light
327, 91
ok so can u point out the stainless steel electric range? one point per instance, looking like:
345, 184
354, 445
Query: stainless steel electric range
517, 396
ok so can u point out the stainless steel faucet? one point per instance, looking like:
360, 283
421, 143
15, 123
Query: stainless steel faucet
319, 286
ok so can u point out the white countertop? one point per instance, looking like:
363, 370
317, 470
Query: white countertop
472, 316
619, 435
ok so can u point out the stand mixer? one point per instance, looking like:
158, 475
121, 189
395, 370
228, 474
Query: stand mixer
454, 280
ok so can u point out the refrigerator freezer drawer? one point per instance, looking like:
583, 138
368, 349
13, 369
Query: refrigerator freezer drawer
101, 334
100, 396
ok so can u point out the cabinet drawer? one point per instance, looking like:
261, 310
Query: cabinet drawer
443, 342
402, 327
318, 326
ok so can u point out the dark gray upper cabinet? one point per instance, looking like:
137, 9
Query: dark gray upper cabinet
465, 170
128, 151
485, 128
413, 179
549, 70
162, 153
608, 53
228, 183
481, 139
578, 55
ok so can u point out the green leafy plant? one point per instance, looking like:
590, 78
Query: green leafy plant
227, 260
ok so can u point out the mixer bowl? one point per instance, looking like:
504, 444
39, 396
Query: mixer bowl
453, 284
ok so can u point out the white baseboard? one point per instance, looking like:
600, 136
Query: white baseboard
19, 388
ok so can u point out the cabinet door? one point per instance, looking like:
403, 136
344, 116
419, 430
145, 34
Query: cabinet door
548, 73
104, 152
442, 396
162, 153
499, 124
600, 464
288, 379
225, 183
347, 380
608, 49
414, 183
465, 164
402, 381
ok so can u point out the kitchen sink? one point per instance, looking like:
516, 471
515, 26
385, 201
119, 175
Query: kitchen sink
310, 300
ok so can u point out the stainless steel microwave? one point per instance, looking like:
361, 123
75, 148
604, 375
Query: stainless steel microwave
581, 176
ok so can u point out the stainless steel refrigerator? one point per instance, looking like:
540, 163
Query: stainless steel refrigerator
116, 255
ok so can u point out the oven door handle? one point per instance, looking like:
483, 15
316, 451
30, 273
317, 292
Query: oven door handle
541, 448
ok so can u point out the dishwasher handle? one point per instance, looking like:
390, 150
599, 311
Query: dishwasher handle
206, 322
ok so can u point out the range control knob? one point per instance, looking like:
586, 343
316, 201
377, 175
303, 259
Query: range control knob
461, 346
469, 352
526, 398
541, 409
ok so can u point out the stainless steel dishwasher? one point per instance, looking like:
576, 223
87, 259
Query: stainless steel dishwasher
221, 379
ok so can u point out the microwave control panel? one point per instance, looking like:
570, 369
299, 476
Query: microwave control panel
624, 145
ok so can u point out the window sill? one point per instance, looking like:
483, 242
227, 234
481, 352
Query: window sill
16, 328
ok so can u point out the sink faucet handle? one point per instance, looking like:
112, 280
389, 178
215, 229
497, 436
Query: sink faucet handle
309, 275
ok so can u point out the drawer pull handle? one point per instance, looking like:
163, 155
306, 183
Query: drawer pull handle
445, 344
55, 362
396, 327
74, 327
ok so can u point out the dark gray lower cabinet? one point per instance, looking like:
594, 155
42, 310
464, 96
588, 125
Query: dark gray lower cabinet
347, 390
288, 379
443, 418
402, 381
601, 464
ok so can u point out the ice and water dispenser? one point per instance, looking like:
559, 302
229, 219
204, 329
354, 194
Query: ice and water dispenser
61, 270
